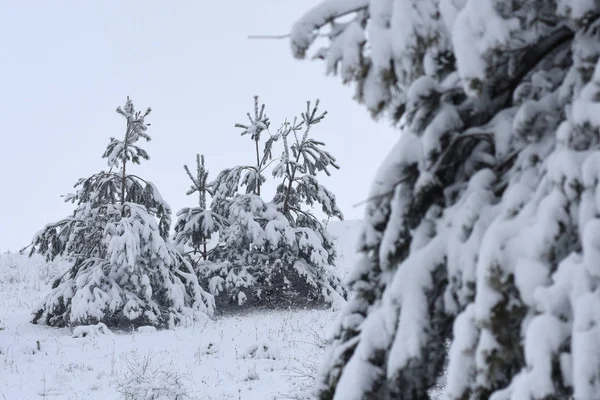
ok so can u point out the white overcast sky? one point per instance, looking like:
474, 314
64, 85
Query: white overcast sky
66, 65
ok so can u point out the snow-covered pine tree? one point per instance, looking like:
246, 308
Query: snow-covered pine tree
298, 168
254, 177
124, 272
276, 253
196, 225
483, 225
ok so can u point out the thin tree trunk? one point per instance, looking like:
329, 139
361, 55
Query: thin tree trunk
289, 187
123, 183
124, 177
287, 194
257, 167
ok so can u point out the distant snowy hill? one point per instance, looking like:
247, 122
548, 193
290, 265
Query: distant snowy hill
262, 355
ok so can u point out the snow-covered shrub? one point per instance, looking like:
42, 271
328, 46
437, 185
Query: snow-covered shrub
17, 268
124, 272
270, 253
483, 221
262, 350
305, 373
145, 379
146, 329
209, 347
31, 347
252, 374
90, 330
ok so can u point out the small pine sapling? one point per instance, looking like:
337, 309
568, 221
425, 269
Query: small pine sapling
196, 225
299, 166
259, 123
124, 270
300, 190
225, 188
276, 253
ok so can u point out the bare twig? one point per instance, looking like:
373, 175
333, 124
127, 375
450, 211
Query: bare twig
285, 36
279, 37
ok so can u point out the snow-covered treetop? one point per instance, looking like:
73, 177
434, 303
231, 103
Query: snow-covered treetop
198, 181
118, 151
299, 164
306, 153
258, 123
195, 225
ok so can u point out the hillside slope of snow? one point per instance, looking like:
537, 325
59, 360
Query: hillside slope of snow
266, 355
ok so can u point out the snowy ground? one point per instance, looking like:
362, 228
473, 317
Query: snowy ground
259, 356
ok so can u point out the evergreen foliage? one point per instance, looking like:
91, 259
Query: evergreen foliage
196, 225
274, 253
124, 270
482, 225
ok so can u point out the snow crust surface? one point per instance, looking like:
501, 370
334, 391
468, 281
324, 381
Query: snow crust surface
262, 355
